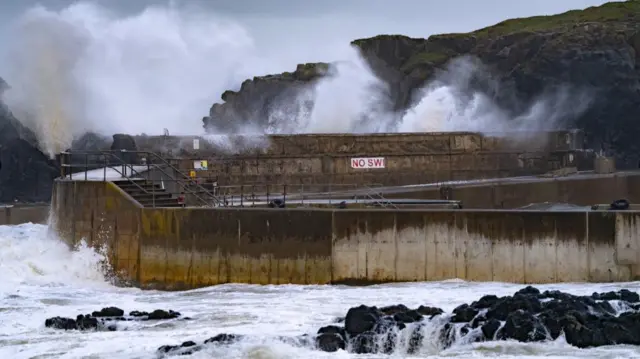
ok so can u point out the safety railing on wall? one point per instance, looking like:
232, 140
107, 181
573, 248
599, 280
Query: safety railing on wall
133, 167
302, 194
137, 168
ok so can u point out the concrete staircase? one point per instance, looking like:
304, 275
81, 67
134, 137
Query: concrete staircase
148, 194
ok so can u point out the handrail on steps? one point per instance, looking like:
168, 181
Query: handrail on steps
122, 162
369, 192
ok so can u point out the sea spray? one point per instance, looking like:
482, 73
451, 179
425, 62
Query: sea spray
84, 68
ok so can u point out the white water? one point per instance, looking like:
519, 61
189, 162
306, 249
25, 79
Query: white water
41, 278
165, 66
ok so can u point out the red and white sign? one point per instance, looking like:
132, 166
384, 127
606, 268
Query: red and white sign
367, 162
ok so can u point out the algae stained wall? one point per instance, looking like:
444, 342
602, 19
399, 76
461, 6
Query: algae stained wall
104, 217
187, 248
176, 248
520, 247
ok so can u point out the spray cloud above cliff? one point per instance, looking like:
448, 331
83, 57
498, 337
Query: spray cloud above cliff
463, 98
84, 68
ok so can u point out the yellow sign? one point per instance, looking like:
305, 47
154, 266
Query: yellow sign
192, 174
201, 165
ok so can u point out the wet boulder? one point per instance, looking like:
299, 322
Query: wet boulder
523, 327
108, 312
61, 323
223, 339
105, 319
361, 319
528, 315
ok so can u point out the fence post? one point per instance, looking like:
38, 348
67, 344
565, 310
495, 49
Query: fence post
86, 166
284, 193
241, 195
153, 194
253, 195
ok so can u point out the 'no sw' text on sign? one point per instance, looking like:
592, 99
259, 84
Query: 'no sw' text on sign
367, 162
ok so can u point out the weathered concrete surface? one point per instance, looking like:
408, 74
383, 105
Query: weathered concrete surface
12, 215
507, 246
579, 189
190, 248
187, 248
102, 215
410, 157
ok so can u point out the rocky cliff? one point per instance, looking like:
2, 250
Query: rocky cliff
596, 49
26, 174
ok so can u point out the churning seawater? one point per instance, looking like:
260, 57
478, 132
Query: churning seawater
40, 278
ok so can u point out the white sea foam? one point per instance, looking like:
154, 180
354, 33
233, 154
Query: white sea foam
42, 278
164, 67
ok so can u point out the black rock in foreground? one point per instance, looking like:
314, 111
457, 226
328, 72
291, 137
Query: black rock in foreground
104, 319
527, 316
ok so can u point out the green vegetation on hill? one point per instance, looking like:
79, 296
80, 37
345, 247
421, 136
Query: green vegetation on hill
627, 11
439, 49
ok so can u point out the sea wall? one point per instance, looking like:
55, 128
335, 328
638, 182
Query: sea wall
176, 248
102, 215
583, 190
12, 215
505, 246
406, 158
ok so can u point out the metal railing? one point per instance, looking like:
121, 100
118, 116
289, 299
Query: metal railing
259, 194
136, 166
130, 169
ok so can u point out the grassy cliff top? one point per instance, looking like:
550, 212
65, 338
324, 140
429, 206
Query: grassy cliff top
438, 49
627, 11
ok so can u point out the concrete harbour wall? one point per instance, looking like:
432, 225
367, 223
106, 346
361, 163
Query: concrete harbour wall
409, 158
583, 190
12, 215
175, 248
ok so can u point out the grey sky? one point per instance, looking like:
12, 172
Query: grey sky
358, 18
114, 70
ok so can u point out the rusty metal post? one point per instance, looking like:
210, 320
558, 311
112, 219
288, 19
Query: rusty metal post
153, 194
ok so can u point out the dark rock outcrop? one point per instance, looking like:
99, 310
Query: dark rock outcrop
257, 97
26, 173
91, 141
596, 50
126, 145
106, 319
527, 316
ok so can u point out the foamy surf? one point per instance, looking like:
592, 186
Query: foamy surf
42, 278
30, 254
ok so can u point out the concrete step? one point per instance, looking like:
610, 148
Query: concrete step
157, 195
147, 191
148, 202
141, 188
132, 183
